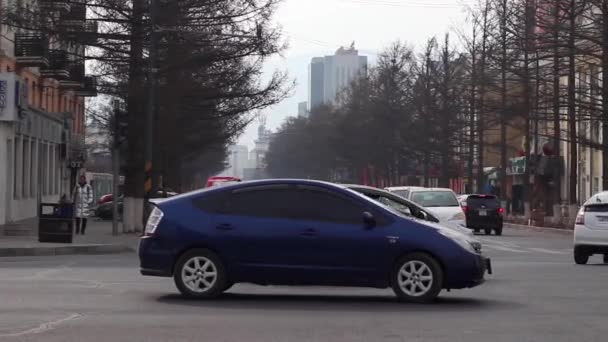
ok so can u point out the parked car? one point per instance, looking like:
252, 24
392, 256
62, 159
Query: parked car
403, 191
105, 210
221, 181
299, 232
591, 229
483, 212
105, 199
407, 207
441, 202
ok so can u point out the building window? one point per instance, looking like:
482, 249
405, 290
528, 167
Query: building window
25, 179
57, 170
33, 163
43, 166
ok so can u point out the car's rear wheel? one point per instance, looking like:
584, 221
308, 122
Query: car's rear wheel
199, 273
499, 230
580, 257
417, 278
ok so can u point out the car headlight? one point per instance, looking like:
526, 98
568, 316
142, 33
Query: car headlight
470, 245
457, 217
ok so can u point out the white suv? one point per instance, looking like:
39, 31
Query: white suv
591, 229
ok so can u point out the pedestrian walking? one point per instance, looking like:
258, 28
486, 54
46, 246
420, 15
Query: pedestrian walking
83, 197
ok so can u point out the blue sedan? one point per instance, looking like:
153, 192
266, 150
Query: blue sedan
300, 232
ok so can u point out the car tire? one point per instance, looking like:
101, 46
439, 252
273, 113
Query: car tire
476, 231
200, 273
605, 258
498, 231
488, 231
417, 278
580, 258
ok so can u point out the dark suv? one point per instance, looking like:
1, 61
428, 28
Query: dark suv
483, 212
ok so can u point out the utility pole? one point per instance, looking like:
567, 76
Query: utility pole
115, 165
149, 133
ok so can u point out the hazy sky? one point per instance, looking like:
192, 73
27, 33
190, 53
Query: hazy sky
319, 27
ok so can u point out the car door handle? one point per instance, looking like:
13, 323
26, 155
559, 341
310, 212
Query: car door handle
310, 233
224, 226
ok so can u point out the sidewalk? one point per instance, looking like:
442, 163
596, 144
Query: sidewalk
562, 231
98, 240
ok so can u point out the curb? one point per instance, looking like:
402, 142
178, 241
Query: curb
540, 229
65, 250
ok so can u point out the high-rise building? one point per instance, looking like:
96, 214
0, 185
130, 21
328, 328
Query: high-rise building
316, 83
303, 109
337, 72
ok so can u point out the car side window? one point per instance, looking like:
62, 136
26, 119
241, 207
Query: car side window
209, 203
320, 205
270, 203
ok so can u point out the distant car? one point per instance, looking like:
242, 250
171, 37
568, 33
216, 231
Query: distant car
105, 211
483, 212
406, 206
439, 201
300, 232
403, 191
105, 199
591, 229
221, 181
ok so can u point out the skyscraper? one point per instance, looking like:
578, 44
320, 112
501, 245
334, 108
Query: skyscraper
329, 76
316, 83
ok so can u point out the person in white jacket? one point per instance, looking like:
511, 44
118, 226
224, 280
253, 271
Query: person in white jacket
83, 197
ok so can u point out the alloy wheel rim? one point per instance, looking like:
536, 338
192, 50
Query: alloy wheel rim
199, 274
415, 278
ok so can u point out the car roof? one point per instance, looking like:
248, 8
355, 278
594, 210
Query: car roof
248, 184
395, 188
432, 189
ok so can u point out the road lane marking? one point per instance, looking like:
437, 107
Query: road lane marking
44, 327
548, 251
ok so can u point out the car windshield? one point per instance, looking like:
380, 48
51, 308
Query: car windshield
435, 199
402, 193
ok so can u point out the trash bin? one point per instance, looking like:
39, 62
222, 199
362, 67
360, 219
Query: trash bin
56, 223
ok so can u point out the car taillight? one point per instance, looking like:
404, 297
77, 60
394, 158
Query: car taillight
465, 209
153, 221
501, 211
580, 218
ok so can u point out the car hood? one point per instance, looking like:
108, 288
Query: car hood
445, 213
457, 225
454, 228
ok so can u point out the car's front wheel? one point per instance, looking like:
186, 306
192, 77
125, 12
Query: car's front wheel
417, 278
580, 257
199, 273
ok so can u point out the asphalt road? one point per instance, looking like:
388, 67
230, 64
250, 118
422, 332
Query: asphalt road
536, 294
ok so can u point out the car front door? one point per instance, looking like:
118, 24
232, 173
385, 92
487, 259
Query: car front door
338, 245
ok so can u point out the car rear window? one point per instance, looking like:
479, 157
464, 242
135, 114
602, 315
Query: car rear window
490, 202
402, 193
435, 199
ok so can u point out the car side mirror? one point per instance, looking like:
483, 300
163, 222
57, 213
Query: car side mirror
369, 220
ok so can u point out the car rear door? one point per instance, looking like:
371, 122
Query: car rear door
255, 232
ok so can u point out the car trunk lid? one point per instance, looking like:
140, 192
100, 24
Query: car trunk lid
596, 216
